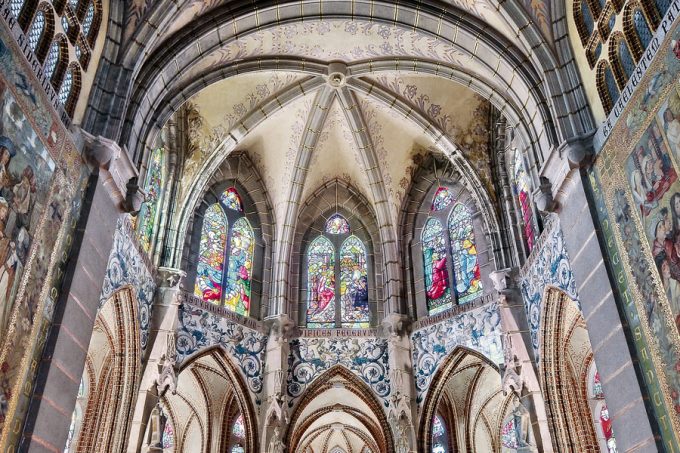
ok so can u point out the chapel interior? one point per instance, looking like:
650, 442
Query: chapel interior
339, 226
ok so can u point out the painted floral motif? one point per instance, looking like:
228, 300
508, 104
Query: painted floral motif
128, 266
365, 357
354, 310
321, 284
200, 329
478, 329
548, 265
337, 224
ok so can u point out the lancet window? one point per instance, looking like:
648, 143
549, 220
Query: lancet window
337, 278
153, 186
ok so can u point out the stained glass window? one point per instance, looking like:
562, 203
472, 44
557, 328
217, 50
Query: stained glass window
15, 6
149, 210
437, 286
642, 29
211, 255
606, 424
610, 82
521, 189
65, 24
168, 437
89, 17
65, 90
662, 6
442, 199
587, 18
337, 224
437, 427
439, 439
237, 449
52, 59
464, 253
597, 387
509, 434
239, 430
73, 3
239, 274
321, 284
627, 63
232, 200
354, 284
36, 30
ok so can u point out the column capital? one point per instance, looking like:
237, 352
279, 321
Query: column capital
170, 277
505, 280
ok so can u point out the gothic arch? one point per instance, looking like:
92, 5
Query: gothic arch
338, 395
565, 356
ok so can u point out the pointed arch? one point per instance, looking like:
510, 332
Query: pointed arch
621, 59
354, 310
607, 88
636, 28
321, 295
211, 255
240, 268
437, 283
467, 277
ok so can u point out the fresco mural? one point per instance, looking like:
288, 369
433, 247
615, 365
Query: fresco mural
635, 185
41, 180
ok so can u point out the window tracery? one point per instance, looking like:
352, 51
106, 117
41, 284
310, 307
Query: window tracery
337, 264
221, 277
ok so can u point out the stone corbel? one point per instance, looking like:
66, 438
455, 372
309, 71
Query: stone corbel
170, 278
117, 171
395, 325
505, 280
281, 327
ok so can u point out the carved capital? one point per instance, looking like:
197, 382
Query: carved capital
504, 279
395, 325
281, 327
543, 195
171, 278
579, 150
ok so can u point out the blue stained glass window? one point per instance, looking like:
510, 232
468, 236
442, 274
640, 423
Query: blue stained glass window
73, 3
464, 253
627, 62
15, 6
354, 284
237, 449
36, 30
232, 200
642, 29
66, 85
211, 255
442, 199
610, 82
612, 21
89, 17
337, 224
598, 50
65, 24
437, 286
587, 18
321, 284
662, 6
52, 59
240, 269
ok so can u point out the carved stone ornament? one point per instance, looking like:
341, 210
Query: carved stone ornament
275, 444
170, 277
167, 375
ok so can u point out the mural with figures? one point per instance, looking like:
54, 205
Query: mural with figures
42, 179
128, 265
548, 265
478, 329
366, 357
200, 329
637, 195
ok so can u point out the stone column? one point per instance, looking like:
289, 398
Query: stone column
111, 192
520, 368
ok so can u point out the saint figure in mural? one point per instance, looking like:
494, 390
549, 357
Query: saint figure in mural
7, 151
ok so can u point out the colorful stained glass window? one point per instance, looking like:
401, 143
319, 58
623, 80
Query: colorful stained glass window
65, 23
606, 424
509, 434
36, 30
442, 199
521, 188
89, 17
211, 255
438, 435
239, 274
168, 437
149, 210
464, 253
321, 284
354, 284
437, 286
232, 200
237, 449
239, 429
438, 429
337, 224
597, 387
65, 90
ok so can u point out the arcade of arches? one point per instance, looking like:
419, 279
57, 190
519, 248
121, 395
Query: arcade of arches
339, 226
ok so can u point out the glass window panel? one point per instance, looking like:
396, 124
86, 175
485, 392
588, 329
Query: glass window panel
65, 90
240, 268
442, 199
662, 6
464, 254
321, 284
642, 29
52, 59
15, 6
354, 284
74, 4
606, 425
152, 187
36, 30
239, 429
64, 23
610, 82
168, 438
237, 449
438, 429
587, 18
597, 387
509, 434
521, 187
211, 255
337, 224
232, 200
627, 62
437, 287
89, 17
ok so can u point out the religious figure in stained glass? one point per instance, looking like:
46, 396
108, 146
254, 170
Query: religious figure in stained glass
437, 286
521, 188
439, 438
152, 187
321, 283
239, 429
337, 224
442, 199
354, 284
168, 436
211, 255
241, 251
232, 200
597, 387
464, 253
509, 435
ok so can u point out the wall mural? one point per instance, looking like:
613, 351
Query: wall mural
637, 194
200, 329
311, 357
129, 265
41, 180
478, 329
548, 265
